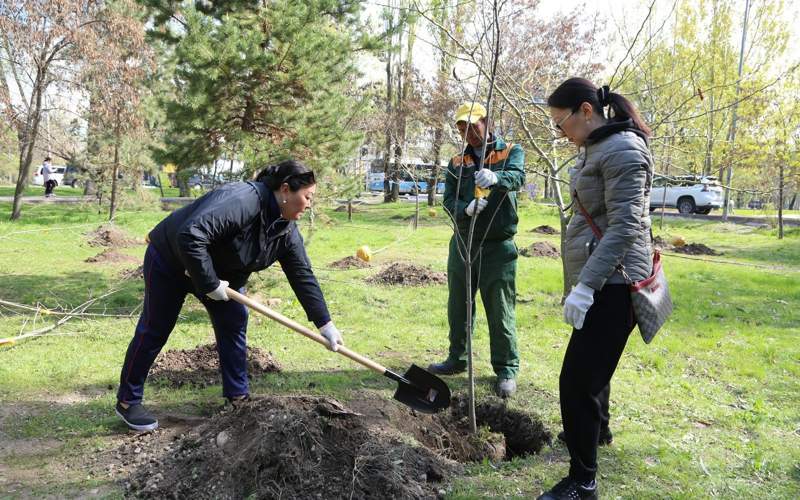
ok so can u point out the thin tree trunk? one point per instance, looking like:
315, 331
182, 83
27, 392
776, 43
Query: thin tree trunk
780, 202
114, 184
27, 143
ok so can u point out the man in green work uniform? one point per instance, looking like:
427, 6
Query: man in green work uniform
494, 254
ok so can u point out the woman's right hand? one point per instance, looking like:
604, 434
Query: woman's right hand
578, 302
219, 293
332, 335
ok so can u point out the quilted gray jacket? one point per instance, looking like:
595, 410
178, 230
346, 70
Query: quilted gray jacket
612, 181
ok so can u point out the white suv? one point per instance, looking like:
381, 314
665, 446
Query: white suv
56, 173
690, 194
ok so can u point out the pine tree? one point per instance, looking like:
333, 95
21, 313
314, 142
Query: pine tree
263, 81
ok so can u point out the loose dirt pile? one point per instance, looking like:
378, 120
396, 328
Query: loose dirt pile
200, 366
315, 447
133, 273
349, 262
696, 249
541, 249
545, 229
109, 235
291, 447
404, 274
111, 256
343, 208
661, 244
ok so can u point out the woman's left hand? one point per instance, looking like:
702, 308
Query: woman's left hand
332, 335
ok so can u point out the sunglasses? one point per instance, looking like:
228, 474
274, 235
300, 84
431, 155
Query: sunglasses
305, 178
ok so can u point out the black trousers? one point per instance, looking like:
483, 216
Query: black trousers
48, 187
589, 363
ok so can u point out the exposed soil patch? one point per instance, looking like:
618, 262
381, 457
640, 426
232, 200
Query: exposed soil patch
108, 235
134, 273
200, 366
696, 249
316, 447
545, 229
291, 447
660, 243
349, 262
111, 256
343, 208
541, 249
400, 273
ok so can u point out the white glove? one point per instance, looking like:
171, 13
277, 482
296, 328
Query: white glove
579, 300
485, 178
332, 335
480, 202
219, 293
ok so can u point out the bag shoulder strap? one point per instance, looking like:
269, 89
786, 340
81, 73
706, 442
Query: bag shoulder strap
589, 220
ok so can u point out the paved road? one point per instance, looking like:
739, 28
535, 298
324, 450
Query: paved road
788, 220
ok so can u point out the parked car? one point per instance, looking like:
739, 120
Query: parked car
56, 173
690, 194
756, 204
71, 176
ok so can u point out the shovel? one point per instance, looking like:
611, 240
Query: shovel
416, 388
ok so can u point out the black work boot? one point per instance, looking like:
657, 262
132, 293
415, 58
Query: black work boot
136, 417
605, 437
447, 368
571, 489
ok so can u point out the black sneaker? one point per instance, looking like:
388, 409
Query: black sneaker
603, 439
447, 368
570, 489
137, 417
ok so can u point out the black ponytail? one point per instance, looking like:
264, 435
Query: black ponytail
575, 91
292, 172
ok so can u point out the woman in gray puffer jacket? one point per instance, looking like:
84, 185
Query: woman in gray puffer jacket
607, 244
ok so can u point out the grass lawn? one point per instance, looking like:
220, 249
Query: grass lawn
710, 408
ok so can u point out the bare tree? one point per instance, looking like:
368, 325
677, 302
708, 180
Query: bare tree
39, 39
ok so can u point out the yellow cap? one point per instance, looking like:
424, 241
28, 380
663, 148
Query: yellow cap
471, 112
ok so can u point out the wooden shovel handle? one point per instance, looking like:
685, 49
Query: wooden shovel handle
302, 330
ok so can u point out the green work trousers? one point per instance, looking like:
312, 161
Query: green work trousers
494, 271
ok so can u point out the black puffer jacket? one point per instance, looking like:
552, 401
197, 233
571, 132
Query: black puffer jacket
232, 232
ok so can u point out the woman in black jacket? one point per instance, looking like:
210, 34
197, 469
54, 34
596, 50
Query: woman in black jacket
207, 246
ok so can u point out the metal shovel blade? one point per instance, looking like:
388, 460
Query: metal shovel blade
421, 390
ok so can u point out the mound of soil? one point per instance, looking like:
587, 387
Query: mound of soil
401, 273
109, 255
541, 249
343, 208
291, 447
133, 273
200, 366
660, 243
349, 262
316, 447
109, 235
696, 249
545, 229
